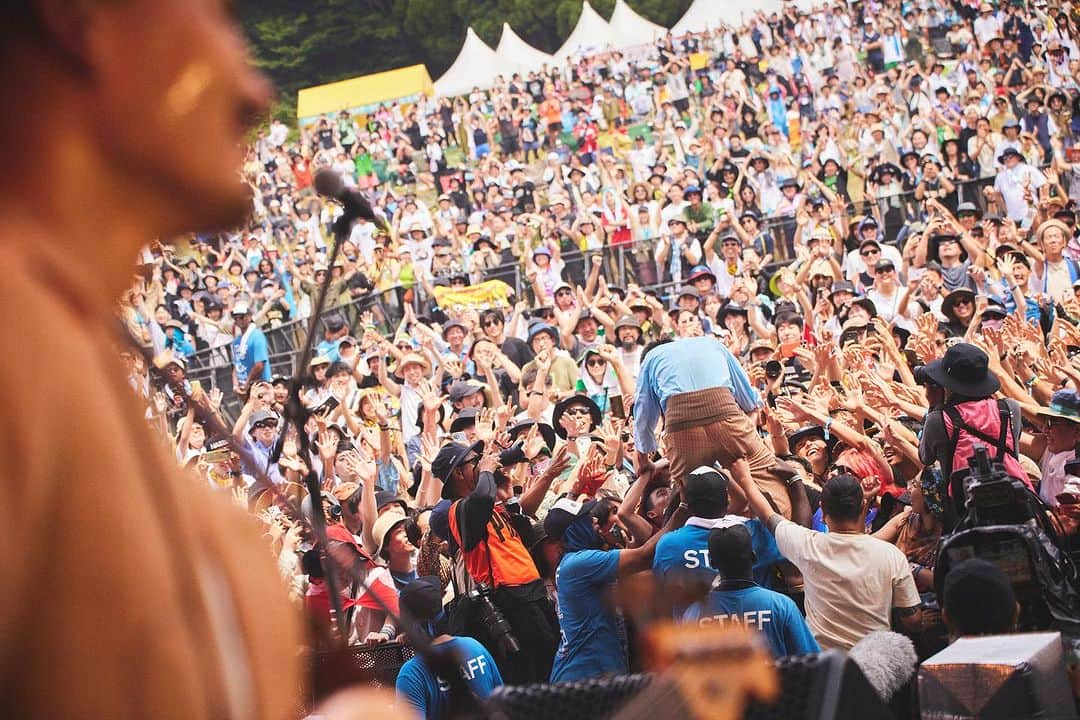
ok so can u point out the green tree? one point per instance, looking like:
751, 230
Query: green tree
316, 41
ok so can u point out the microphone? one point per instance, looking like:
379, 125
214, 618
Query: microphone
888, 661
331, 185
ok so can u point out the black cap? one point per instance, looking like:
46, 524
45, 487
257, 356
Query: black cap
422, 598
563, 513
706, 492
462, 389
884, 265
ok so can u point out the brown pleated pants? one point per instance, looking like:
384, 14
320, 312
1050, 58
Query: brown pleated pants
708, 426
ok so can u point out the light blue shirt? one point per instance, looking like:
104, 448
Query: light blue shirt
684, 366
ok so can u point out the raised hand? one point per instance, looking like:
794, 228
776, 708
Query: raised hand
485, 426
489, 461
358, 466
327, 446
533, 442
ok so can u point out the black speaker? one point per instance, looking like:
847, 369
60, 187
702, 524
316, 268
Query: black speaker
583, 700
825, 686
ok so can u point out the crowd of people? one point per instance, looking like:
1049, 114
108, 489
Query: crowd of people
859, 222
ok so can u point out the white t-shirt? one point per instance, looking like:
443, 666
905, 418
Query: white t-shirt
852, 582
1010, 183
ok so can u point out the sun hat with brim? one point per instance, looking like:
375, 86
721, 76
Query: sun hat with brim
1064, 404
1052, 223
546, 431
866, 304
413, 359
566, 403
700, 271
389, 497
167, 357
563, 514
385, 525
995, 310
841, 286
760, 345
454, 324
465, 419
449, 457
936, 240
732, 309
810, 431
542, 327
948, 305
1009, 152
319, 360
964, 370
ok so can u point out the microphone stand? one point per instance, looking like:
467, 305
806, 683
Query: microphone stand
297, 414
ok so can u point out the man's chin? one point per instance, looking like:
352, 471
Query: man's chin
209, 210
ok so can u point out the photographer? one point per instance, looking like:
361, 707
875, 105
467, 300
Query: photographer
474, 520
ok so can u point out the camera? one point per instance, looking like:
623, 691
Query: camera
773, 369
493, 619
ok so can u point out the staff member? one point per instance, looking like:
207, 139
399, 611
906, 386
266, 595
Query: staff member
143, 106
705, 397
589, 565
738, 600
417, 684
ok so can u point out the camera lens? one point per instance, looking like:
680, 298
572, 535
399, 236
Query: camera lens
773, 368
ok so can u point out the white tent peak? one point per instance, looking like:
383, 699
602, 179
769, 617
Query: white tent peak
473, 67
514, 55
591, 33
709, 14
630, 28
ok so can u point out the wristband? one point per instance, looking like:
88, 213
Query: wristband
384, 428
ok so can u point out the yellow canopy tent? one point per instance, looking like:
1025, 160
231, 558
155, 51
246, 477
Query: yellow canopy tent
363, 94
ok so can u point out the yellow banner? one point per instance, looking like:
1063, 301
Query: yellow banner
699, 60
489, 293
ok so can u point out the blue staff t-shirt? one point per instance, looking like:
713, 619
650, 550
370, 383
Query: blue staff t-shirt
687, 549
255, 351
420, 688
773, 614
591, 643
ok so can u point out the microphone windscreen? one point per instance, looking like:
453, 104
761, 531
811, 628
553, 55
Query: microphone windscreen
329, 183
887, 659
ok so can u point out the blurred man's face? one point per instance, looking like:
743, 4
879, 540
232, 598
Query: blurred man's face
175, 97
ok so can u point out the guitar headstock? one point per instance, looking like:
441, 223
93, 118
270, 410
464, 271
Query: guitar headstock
705, 672
715, 669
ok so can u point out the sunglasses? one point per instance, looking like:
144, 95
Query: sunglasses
563, 293
868, 253
595, 362
577, 411
963, 301
269, 425
885, 271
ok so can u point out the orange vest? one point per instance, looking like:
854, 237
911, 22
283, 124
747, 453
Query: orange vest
499, 560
